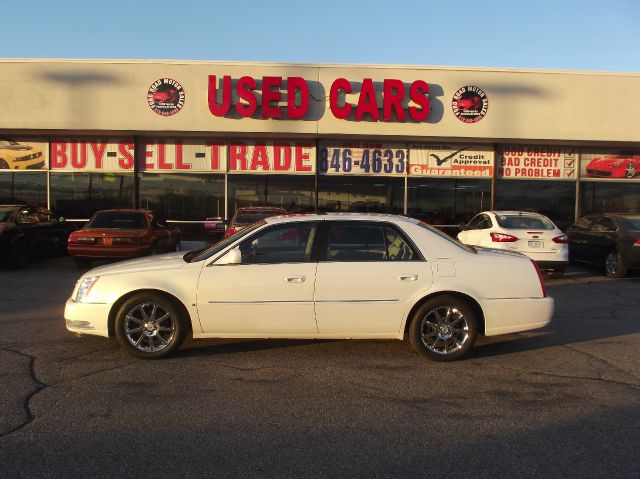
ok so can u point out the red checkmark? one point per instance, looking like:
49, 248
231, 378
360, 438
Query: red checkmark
569, 173
569, 163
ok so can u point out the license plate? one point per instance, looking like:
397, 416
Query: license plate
535, 244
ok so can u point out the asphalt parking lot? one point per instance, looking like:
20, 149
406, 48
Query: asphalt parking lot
559, 402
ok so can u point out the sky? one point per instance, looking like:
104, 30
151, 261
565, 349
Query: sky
535, 34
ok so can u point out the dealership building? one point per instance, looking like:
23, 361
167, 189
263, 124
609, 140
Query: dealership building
196, 140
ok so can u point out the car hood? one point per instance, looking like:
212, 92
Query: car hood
607, 162
148, 263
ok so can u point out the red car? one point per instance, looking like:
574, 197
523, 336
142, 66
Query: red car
122, 234
214, 225
165, 96
614, 167
472, 103
248, 215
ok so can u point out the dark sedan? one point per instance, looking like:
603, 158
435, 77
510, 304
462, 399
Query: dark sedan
27, 230
610, 240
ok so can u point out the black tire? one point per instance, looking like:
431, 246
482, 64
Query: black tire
19, 255
435, 320
614, 265
154, 249
82, 262
3, 164
150, 326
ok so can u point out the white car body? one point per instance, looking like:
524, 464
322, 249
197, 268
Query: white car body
547, 246
321, 299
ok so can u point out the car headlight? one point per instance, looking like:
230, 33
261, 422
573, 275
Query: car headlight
85, 286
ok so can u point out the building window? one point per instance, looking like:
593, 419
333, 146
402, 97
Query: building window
361, 194
23, 187
79, 195
295, 193
609, 197
554, 199
447, 201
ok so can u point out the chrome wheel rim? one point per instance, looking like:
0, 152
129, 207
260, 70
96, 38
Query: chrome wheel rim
444, 330
631, 170
611, 263
149, 327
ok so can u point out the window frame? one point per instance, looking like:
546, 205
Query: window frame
313, 257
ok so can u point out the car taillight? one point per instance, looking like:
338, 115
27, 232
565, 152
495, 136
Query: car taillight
81, 240
544, 288
562, 239
125, 240
637, 243
230, 232
502, 238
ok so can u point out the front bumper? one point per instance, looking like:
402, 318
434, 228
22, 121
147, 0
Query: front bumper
87, 318
108, 252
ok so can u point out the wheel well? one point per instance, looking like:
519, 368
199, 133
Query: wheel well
116, 306
464, 297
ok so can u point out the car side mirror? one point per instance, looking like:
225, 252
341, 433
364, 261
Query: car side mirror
462, 226
233, 256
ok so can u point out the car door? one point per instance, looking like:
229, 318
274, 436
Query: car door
367, 274
270, 292
600, 239
578, 234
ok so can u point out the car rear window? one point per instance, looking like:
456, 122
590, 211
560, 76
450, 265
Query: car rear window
524, 222
117, 220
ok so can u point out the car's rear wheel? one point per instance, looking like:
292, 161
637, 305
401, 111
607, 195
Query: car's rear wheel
444, 328
3, 164
614, 265
149, 325
19, 255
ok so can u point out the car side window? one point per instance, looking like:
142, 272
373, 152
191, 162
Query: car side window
366, 242
286, 243
604, 224
27, 216
474, 224
584, 223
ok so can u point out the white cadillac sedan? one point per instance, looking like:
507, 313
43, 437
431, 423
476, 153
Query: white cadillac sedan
339, 276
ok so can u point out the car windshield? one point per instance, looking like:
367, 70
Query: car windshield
208, 252
118, 220
8, 143
525, 222
247, 219
631, 222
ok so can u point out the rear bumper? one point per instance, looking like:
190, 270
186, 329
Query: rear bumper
504, 316
102, 252
87, 318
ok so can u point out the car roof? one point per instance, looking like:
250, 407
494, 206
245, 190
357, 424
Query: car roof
379, 217
258, 209
125, 210
514, 212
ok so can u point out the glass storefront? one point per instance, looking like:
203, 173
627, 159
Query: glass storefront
601, 197
361, 194
23, 187
187, 197
447, 201
295, 193
79, 195
555, 199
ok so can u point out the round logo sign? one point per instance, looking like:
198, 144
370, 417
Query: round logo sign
470, 104
165, 96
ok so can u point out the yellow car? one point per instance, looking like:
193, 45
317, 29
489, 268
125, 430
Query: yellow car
20, 156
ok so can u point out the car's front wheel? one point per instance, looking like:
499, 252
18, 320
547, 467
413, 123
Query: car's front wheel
614, 265
149, 325
444, 328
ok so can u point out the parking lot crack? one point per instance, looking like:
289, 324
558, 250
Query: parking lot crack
88, 375
25, 405
585, 378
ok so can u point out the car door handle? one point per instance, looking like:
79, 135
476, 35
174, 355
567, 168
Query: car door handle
294, 279
412, 277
